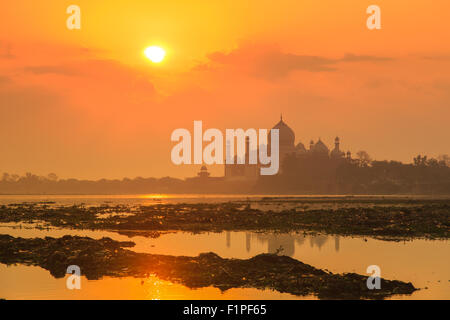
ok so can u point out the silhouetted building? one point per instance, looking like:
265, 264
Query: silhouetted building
336, 152
204, 182
287, 146
203, 174
241, 172
286, 139
318, 241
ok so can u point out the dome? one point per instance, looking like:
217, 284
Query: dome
300, 147
286, 134
321, 147
203, 168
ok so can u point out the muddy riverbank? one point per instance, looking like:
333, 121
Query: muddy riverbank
387, 219
106, 257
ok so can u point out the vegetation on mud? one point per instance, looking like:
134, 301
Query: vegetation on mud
105, 257
419, 218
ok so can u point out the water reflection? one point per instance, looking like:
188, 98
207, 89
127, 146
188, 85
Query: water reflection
284, 243
423, 262
28, 282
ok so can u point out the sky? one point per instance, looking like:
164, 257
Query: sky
88, 104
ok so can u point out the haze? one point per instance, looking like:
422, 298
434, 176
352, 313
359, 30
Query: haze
88, 104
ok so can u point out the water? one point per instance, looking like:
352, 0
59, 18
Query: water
425, 263
149, 199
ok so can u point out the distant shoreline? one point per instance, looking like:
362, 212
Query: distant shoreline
227, 195
368, 216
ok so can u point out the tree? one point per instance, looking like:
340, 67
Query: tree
420, 160
444, 159
364, 160
6, 177
432, 163
52, 177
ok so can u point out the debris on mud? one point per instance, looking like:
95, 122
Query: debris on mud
384, 219
106, 257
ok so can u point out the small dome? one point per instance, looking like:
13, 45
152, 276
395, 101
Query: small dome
320, 147
300, 147
286, 134
203, 168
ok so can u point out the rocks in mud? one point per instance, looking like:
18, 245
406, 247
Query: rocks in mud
387, 220
105, 257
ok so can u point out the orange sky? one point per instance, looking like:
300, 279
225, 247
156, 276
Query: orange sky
88, 104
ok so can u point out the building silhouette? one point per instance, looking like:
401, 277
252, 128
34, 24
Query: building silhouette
318, 150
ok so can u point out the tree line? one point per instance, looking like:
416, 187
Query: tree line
324, 175
299, 174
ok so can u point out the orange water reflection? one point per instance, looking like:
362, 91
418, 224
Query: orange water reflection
23, 282
425, 263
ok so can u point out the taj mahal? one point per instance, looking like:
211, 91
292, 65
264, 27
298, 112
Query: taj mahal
287, 146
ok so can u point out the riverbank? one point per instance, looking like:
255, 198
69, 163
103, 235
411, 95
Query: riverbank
106, 257
389, 219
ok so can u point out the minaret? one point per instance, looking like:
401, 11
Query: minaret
247, 149
336, 243
227, 154
336, 144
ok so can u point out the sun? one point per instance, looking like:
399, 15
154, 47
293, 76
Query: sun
155, 54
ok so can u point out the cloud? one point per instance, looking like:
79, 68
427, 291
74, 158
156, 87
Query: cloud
269, 62
95, 77
105, 93
445, 57
62, 70
359, 58
106, 69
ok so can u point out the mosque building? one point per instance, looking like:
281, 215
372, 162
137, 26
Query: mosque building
287, 146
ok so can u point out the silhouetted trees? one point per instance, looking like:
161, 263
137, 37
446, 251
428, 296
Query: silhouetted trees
299, 174
307, 174
444, 159
51, 184
363, 158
